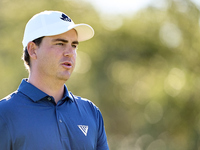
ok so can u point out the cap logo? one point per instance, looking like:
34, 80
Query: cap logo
65, 18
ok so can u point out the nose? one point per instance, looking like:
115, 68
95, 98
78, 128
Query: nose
69, 51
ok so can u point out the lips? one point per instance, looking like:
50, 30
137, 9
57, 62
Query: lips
67, 64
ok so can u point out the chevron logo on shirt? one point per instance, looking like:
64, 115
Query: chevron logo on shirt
84, 129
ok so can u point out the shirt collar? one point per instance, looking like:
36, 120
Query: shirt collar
67, 94
36, 94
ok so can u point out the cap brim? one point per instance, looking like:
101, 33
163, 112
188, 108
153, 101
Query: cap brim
85, 32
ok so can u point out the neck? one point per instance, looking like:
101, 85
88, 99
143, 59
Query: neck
51, 87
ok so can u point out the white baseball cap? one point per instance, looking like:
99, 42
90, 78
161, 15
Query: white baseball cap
49, 23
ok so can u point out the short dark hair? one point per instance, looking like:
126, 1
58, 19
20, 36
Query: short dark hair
26, 56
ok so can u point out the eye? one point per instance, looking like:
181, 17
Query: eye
74, 46
60, 44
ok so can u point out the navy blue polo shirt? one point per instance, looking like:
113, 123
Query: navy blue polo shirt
31, 120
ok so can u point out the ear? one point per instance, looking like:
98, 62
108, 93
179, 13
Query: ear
32, 47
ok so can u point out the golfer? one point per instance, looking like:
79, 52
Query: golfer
42, 114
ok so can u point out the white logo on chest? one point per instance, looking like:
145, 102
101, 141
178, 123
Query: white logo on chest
84, 129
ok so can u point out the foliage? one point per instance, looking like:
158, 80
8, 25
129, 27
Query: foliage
142, 71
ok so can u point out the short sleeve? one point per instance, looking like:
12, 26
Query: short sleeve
5, 138
102, 143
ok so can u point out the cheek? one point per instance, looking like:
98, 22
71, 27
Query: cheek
47, 58
74, 57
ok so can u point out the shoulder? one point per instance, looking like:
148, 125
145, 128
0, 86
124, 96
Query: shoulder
8, 98
85, 103
82, 100
9, 103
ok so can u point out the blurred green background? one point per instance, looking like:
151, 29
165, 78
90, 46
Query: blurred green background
141, 69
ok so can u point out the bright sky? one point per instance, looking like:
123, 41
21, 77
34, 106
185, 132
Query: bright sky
122, 6
126, 7
196, 2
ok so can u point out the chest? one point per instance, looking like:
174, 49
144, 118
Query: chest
58, 127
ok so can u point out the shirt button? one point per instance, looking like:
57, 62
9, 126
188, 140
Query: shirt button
49, 98
60, 121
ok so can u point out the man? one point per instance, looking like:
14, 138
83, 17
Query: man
42, 114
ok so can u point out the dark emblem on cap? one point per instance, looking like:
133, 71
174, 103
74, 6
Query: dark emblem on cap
65, 18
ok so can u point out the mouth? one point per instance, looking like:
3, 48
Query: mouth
67, 65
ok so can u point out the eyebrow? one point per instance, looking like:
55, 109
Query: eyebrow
65, 41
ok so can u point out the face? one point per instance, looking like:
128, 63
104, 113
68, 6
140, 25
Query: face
56, 56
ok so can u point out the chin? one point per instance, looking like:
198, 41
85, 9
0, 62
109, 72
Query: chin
64, 75
64, 78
